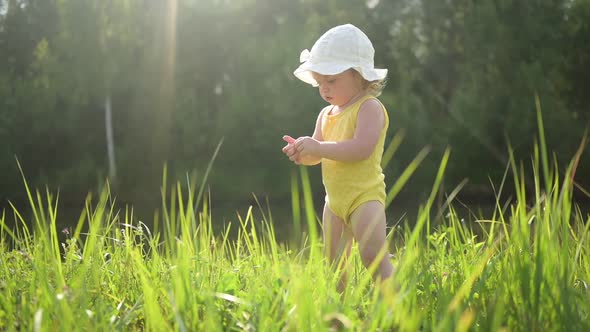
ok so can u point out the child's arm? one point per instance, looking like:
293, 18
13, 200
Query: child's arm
370, 122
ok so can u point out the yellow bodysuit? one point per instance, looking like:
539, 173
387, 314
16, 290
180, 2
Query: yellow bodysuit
350, 184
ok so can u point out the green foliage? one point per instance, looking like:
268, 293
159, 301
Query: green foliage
462, 74
467, 72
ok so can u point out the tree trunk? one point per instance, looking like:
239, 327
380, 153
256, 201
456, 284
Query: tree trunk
110, 140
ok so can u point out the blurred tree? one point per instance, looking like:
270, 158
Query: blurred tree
182, 75
466, 74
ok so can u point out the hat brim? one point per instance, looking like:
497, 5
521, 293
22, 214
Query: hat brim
304, 71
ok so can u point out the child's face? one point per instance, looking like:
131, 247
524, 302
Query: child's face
339, 89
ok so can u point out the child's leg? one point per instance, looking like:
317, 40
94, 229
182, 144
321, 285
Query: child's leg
337, 242
369, 229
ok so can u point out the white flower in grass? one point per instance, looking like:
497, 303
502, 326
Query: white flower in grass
89, 313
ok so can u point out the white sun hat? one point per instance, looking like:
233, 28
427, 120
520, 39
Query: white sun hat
340, 48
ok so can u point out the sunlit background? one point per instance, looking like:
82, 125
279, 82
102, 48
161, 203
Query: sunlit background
114, 90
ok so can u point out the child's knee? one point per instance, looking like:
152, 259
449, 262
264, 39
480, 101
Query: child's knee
371, 253
368, 256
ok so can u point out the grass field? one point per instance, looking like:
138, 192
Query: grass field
529, 271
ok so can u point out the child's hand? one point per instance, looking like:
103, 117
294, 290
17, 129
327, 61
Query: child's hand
307, 146
290, 150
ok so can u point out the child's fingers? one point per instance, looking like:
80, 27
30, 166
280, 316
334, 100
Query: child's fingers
288, 139
293, 155
289, 150
299, 146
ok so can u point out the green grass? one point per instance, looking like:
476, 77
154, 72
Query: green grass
527, 270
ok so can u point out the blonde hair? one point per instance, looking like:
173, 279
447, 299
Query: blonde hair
373, 88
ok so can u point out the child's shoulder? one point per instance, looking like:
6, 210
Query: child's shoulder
325, 110
372, 103
373, 108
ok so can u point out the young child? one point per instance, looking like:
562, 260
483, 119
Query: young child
348, 142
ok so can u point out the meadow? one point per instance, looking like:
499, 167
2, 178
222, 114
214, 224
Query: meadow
523, 268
